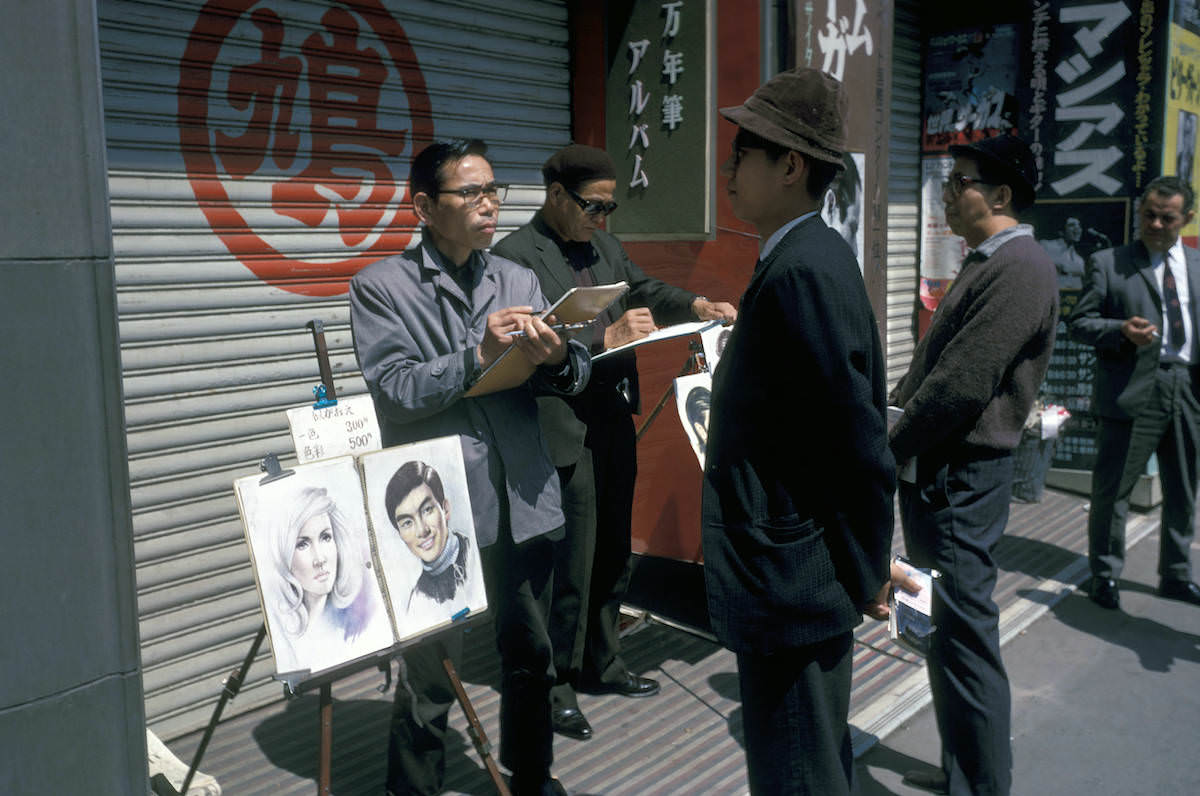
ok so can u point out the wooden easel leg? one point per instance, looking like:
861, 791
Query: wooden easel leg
325, 754
233, 684
474, 727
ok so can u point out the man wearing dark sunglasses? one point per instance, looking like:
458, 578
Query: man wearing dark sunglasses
591, 436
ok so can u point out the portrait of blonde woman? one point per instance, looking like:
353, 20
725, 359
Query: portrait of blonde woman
319, 589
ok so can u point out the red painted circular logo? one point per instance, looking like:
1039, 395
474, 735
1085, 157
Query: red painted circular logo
297, 135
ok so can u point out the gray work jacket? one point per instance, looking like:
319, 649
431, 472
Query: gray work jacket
415, 333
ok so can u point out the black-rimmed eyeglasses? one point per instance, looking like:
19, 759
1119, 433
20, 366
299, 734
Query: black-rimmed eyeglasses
956, 183
472, 195
593, 207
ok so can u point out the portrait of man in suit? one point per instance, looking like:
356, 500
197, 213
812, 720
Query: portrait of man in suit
591, 436
796, 547
1139, 310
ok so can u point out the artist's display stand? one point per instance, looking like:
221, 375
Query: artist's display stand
695, 364
299, 682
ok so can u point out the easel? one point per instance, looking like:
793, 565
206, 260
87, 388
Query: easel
295, 682
695, 364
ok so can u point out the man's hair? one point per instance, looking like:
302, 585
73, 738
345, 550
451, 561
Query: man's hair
1169, 186
410, 476
426, 172
820, 173
993, 174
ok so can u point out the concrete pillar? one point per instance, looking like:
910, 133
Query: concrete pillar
71, 713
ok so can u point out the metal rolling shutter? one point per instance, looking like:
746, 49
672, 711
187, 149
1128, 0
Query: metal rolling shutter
904, 189
212, 354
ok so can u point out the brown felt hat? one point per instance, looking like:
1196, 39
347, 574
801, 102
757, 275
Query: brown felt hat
802, 109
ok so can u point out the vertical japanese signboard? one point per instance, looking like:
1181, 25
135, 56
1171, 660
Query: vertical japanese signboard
1092, 97
851, 41
659, 120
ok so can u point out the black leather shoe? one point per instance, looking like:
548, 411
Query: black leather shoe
1104, 593
631, 686
1182, 590
571, 722
933, 779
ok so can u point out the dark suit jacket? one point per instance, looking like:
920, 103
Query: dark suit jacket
564, 421
1118, 284
798, 483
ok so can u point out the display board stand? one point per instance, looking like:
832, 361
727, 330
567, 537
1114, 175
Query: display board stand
695, 363
296, 682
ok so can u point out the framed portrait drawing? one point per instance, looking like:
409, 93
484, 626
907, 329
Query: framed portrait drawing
420, 509
354, 557
311, 549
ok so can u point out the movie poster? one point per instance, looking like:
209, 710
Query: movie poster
970, 86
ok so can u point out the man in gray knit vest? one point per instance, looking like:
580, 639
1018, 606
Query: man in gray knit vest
971, 384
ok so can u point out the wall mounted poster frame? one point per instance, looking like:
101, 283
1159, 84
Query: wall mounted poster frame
335, 576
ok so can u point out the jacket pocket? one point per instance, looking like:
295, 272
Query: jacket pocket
787, 529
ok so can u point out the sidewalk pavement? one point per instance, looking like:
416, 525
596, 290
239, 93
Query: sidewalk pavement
1103, 702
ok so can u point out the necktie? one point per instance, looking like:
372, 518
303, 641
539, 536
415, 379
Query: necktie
1171, 300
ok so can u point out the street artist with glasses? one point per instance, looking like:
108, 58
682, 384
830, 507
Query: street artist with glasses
591, 435
426, 322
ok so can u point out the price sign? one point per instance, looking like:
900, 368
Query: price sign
347, 428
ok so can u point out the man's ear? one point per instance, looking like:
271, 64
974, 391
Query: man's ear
1003, 197
423, 205
796, 171
446, 511
1188, 218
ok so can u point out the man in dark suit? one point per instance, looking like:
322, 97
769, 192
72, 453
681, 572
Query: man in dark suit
1139, 309
797, 496
967, 393
591, 436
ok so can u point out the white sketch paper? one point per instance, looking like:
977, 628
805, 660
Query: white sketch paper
312, 558
420, 510
714, 339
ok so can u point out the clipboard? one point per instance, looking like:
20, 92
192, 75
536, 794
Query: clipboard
576, 305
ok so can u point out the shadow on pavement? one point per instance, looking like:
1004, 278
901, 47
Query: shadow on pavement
1158, 646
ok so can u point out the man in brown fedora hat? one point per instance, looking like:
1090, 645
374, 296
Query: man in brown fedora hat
967, 393
797, 516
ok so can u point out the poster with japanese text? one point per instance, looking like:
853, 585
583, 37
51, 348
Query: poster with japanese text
970, 86
1183, 115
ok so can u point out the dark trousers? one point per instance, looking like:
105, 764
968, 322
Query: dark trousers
953, 518
795, 706
591, 566
573, 556
614, 458
518, 580
1166, 425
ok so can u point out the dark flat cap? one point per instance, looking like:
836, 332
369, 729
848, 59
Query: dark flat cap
575, 164
802, 109
1007, 160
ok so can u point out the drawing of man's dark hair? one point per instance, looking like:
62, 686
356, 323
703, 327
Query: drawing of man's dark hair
426, 172
698, 401
410, 476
